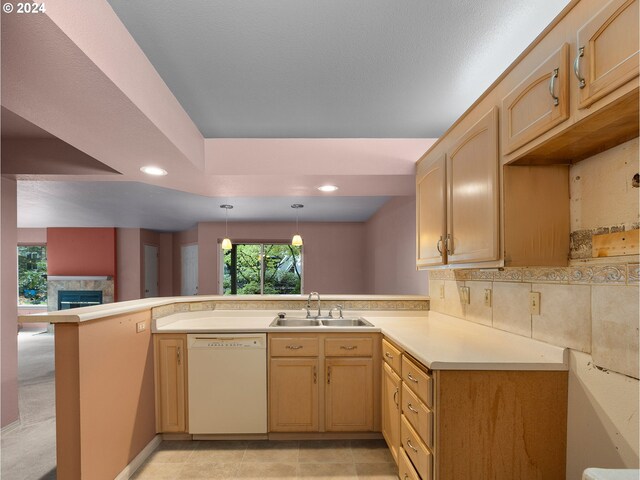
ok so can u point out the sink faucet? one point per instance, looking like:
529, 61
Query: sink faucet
309, 303
336, 307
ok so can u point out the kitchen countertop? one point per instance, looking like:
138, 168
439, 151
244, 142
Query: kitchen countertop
439, 341
84, 314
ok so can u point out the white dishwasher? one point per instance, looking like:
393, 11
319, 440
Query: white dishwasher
227, 383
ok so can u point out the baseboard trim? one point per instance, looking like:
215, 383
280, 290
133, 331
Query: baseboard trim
325, 436
135, 464
243, 436
10, 428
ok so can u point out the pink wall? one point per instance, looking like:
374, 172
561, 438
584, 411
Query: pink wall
128, 263
9, 303
32, 236
333, 253
391, 247
130, 256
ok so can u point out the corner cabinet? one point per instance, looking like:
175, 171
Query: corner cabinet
171, 382
458, 199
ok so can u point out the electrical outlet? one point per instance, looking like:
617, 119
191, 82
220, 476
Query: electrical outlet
534, 303
442, 292
487, 297
141, 327
464, 295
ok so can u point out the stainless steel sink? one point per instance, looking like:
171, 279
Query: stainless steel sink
346, 322
295, 322
320, 322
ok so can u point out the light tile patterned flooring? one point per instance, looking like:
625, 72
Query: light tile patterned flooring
319, 460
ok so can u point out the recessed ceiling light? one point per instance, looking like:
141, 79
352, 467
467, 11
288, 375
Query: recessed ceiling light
151, 170
327, 188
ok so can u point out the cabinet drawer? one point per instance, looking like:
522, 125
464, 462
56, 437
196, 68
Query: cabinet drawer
406, 472
418, 415
419, 381
348, 347
417, 451
391, 355
294, 347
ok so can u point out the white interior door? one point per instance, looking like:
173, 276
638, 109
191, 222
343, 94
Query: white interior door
150, 271
189, 255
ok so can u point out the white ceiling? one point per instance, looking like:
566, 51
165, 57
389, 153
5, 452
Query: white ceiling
358, 70
331, 68
132, 204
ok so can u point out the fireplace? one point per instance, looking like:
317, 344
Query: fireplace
78, 298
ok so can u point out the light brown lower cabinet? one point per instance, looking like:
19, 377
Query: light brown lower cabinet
293, 394
391, 409
170, 352
324, 382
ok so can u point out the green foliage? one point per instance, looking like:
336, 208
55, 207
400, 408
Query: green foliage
278, 263
32, 275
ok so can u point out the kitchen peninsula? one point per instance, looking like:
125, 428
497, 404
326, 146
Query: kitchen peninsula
106, 391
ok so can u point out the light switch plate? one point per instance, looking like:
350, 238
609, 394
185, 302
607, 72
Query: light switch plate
141, 327
534, 303
464, 295
487, 297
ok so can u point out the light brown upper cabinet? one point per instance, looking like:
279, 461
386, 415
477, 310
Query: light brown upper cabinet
539, 103
473, 228
431, 214
607, 55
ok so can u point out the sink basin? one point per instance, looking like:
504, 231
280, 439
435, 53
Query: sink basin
320, 322
295, 322
346, 322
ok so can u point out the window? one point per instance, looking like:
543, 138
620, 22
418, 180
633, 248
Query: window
262, 268
32, 275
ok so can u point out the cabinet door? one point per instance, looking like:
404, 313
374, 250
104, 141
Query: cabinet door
170, 383
473, 191
431, 213
293, 395
539, 103
607, 56
349, 394
391, 409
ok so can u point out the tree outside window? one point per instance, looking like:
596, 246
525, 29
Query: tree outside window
32, 275
258, 268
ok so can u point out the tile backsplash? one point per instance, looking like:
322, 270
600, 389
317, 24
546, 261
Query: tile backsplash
592, 308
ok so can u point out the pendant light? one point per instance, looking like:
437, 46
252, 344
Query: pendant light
226, 243
296, 241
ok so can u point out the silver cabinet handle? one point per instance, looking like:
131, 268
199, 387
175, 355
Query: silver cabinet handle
294, 347
395, 397
410, 407
388, 355
410, 377
439, 245
411, 446
179, 355
448, 244
552, 86
348, 347
576, 68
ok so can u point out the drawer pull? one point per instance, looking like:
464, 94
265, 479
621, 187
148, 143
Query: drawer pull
405, 476
410, 407
411, 446
412, 378
348, 347
294, 347
552, 85
388, 355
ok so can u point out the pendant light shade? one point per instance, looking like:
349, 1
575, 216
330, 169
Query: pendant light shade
296, 241
226, 242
